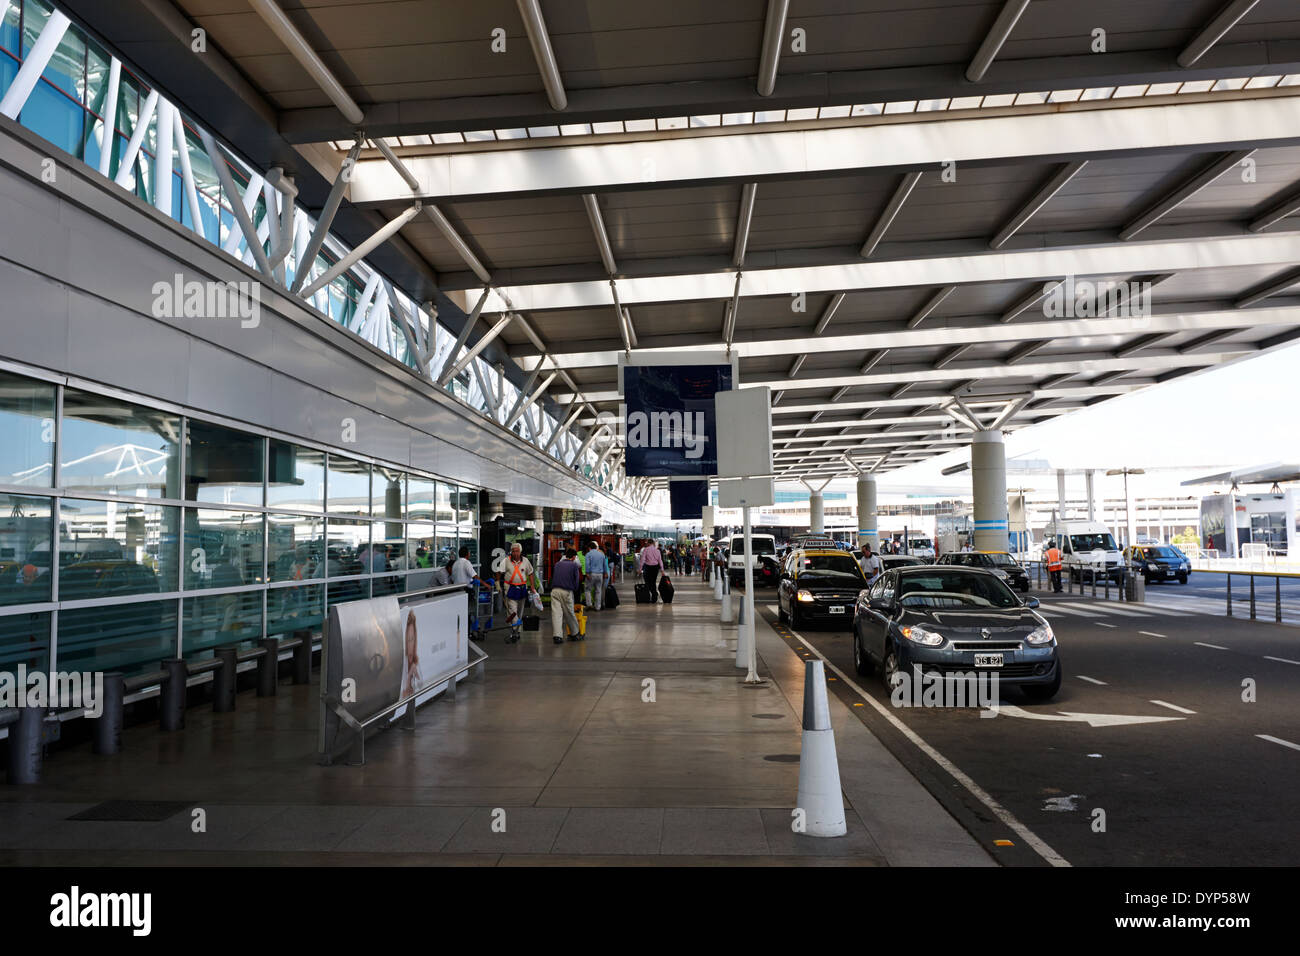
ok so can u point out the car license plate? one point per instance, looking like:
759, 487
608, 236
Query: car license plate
837, 609
988, 660
1169, 572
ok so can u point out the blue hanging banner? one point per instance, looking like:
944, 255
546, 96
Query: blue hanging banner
669, 423
687, 499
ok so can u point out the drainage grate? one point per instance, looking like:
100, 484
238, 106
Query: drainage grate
768, 716
782, 758
133, 811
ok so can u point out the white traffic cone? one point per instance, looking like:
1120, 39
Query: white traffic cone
820, 797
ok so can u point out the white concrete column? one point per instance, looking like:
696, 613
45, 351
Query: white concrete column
988, 467
1092, 496
816, 512
1060, 494
867, 531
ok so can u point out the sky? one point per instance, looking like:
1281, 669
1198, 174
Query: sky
1233, 416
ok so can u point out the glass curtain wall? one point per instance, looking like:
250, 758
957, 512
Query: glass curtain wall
153, 534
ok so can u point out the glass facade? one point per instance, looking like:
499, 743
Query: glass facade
177, 535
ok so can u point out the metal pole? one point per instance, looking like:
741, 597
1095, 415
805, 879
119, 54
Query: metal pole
1252, 597
268, 667
26, 746
171, 700
750, 564
108, 728
223, 681
1228, 576
1277, 600
302, 659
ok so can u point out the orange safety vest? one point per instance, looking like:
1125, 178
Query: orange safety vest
516, 576
1053, 559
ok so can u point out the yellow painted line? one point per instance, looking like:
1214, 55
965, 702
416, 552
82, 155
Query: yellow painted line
1003, 843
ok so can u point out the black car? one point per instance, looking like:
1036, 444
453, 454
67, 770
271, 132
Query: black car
954, 620
1000, 563
1160, 563
819, 585
888, 562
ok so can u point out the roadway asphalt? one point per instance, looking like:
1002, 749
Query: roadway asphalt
1200, 786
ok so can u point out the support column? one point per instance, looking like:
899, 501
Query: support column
1060, 494
1092, 496
867, 532
816, 512
988, 466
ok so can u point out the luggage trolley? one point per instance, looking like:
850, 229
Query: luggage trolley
481, 618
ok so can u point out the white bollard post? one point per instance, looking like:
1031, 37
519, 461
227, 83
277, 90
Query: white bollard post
719, 585
820, 797
727, 609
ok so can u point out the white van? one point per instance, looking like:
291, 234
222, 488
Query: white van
763, 544
1087, 549
920, 547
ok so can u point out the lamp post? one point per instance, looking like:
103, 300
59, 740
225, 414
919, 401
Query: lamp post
1128, 518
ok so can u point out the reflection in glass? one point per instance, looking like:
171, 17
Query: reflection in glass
114, 548
349, 543
294, 609
215, 619
296, 477
25, 639
223, 465
421, 497
294, 546
27, 427
223, 549
113, 447
126, 637
349, 486
388, 550
25, 528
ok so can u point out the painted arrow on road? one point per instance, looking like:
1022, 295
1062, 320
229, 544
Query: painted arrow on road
1092, 720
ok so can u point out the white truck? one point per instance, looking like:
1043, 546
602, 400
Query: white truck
1088, 549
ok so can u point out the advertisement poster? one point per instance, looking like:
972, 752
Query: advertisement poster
687, 499
435, 635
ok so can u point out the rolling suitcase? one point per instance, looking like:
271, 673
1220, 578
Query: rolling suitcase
611, 597
666, 590
642, 594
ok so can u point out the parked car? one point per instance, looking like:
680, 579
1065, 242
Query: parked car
820, 585
890, 561
1159, 563
950, 619
1000, 563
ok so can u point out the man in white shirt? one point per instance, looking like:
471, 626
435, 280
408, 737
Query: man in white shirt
870, 564
462, 571
517, 580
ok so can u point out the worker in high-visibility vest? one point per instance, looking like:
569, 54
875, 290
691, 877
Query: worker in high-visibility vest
1053, 556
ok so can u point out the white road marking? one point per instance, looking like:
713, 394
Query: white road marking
1278, 740
1092, 720
1091, 680
1104, 624
1281, 660
1068, 611
1181, 710
1217, 647
1034, 841
1152, 634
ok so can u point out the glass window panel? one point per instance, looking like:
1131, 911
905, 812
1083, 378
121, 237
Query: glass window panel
389, 493
113, 447
289, 610
223, 549
341, 592
294, 546
67, 67
223, 465
52, 115
349, 543
349, 486
467, 507
25, 639
443, 512
445, 545
212, 620
388, 548
26, 431
296, 477
122, 637
389, 584
25, 528
421, 496
9, 29
115, 548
